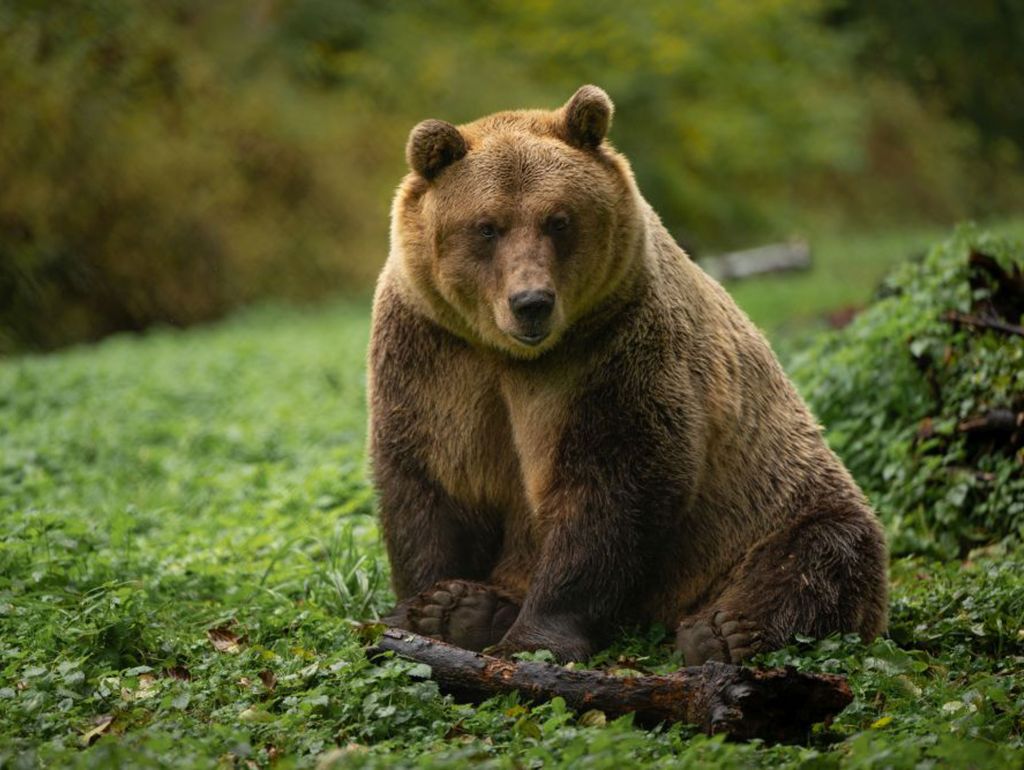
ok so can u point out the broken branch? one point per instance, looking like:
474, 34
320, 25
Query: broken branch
778, 705
952, 316
995, 421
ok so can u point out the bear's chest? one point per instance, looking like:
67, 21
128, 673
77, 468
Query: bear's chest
494, 436
469, 446
538, 410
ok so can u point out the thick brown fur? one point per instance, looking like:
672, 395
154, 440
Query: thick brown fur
637, 454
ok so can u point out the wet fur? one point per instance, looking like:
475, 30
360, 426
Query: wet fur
650, 462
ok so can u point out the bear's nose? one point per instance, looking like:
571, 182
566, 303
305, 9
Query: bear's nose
532, 306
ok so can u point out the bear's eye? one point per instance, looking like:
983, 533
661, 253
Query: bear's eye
558, 223
487, 230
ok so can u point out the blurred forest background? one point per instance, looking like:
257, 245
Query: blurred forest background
167, 162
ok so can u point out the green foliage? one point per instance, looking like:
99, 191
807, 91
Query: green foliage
153, 488
152, 176
893, 388
966, 606
925, 43
164, 163
721, 106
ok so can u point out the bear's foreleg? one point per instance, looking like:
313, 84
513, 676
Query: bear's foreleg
429, 535
608, 514
598, 563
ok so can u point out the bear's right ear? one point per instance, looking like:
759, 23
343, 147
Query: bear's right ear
434, 144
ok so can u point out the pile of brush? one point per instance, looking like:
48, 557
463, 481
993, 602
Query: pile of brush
997, 304
923, 396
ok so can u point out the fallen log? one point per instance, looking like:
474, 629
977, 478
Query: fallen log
776, 705
774, 258
953, 317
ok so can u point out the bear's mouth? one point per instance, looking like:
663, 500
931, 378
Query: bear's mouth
531, 339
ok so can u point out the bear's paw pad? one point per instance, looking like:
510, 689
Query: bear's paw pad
723, 636
469, 615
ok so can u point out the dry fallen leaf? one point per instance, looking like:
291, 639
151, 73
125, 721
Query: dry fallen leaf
255, 714
624, 672
593, 718
334, 757
268, 679
101, 725
180, 673
224, 639
147, 683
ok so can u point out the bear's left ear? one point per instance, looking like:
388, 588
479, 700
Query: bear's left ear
588, 116
434, 144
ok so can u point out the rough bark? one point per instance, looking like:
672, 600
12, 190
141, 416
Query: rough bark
777, 705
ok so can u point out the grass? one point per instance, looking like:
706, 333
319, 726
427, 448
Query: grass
154, 488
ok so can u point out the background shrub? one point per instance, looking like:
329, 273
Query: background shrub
163, 163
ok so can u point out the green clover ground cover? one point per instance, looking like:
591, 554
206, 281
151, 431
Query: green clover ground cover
153, 489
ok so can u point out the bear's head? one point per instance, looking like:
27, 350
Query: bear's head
512, 228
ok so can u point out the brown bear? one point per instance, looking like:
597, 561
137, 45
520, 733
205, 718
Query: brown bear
573, 427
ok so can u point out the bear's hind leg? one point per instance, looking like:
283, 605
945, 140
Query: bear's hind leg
467, 614
720, 635
822, 574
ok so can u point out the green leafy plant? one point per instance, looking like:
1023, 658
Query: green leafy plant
908, 391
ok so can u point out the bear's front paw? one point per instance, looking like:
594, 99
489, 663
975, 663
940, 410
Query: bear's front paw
560, 637
460, 612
